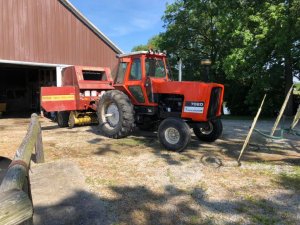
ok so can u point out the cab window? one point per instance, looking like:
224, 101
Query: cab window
121, 73
136, 71
155, 67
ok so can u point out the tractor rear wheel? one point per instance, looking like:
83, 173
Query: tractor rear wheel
211, 132
174, 134
115, 114
63, 118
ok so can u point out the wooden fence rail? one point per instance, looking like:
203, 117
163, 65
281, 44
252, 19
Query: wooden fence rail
15, 194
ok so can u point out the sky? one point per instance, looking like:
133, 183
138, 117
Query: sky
126, 23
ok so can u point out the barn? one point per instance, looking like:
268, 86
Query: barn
38, 39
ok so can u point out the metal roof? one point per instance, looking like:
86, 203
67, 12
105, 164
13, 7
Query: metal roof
140, 53
90, 25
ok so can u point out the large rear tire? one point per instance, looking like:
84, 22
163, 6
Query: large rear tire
63, 118
174, 134
211, 132
115, 114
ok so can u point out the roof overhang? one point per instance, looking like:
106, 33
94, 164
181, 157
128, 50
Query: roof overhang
37, 64
90, 25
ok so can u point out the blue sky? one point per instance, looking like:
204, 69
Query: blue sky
126, 22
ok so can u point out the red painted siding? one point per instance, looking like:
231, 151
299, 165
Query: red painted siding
46, 31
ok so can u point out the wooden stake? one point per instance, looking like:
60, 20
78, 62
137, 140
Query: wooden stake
251, 129
296, 119
281, 111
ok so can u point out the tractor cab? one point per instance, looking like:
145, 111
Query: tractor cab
136, 73
144, 77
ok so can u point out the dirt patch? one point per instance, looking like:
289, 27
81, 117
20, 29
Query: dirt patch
136, 181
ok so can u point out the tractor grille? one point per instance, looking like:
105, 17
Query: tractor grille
214, 102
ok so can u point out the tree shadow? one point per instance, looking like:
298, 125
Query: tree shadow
139, 205
259, 148
295, 147
131, 205
290, 180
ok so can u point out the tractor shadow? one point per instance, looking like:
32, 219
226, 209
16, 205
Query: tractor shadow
227, 148
135, 144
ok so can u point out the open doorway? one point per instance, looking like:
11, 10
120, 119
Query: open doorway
20, 88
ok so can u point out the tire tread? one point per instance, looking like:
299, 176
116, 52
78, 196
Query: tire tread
214, 135
127, 114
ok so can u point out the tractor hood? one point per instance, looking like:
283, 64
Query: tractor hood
203, 99
190, 90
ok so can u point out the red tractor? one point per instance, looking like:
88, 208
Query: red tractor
141, 95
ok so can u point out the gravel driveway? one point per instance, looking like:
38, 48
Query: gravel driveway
135, 181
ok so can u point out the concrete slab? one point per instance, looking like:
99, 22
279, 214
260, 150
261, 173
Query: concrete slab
60, 195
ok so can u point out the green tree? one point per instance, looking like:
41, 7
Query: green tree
268, 54
140, 48
254, 46
153, 43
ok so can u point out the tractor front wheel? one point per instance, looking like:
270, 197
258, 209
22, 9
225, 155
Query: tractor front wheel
174, 134
211, 132
63, 118
115, 114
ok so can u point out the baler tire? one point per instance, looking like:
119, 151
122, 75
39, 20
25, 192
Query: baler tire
217, 129
179, 128
120, 104
63, 118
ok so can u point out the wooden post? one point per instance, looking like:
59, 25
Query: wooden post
27, 191
16, 174
296, 119
15, 204
287, 97
39, 150
251, 129
15, 207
